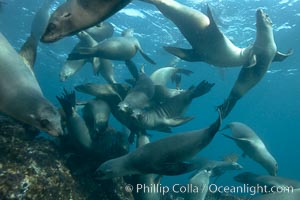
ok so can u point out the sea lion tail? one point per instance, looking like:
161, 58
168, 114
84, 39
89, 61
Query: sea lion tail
68, 101
202, 88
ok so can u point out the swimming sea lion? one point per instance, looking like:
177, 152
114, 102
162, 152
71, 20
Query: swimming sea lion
75, 15
216, 167
169, 113
208, 43
112, 143
161, 156
263, 53
101, 31
96, 115
115, 48
252, 146
21, 96
113, 92
266, 180
139, 96
200, 180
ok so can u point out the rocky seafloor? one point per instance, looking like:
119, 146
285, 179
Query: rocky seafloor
36, 168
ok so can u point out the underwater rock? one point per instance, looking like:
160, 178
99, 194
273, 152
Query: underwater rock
34, 168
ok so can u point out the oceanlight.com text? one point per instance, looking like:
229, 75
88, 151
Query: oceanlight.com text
212, 188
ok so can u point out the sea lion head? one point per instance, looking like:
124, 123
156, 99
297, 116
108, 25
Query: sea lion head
47, 119
124, 107
110, 169
262, 19
128, 32
271, 166
60, 24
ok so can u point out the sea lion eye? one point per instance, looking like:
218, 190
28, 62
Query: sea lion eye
66, 15
44, 123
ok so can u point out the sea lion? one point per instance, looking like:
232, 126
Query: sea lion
208, 43
266, 180
162, 156
75, 15
169, 113
285, 195
113, 143
216, 167
102, 66
162, 75
139, 96
96, 116
115, 48
201, 181
147, 179
263, 53
21, 96
101, 31
252, 146
113, 92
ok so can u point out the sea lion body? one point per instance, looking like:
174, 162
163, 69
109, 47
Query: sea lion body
263, 53
21, 95
115, 48
101, 31
76, 15
252, 146
208, 43
161, 156
169, 113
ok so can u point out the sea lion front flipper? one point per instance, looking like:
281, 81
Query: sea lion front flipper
146, 57
251, 61
132, 69
96, 66
172, 169
213, 27
282, 56
184, 54
202, 88
178, 121
28, 51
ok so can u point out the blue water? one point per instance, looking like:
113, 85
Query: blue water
272, 108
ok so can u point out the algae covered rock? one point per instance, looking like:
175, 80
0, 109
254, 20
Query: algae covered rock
34, 168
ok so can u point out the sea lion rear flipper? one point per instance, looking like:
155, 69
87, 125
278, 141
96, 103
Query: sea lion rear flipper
146, 57
184, 71
201, 89
282, 56
184, 54
171, 169
67, 101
